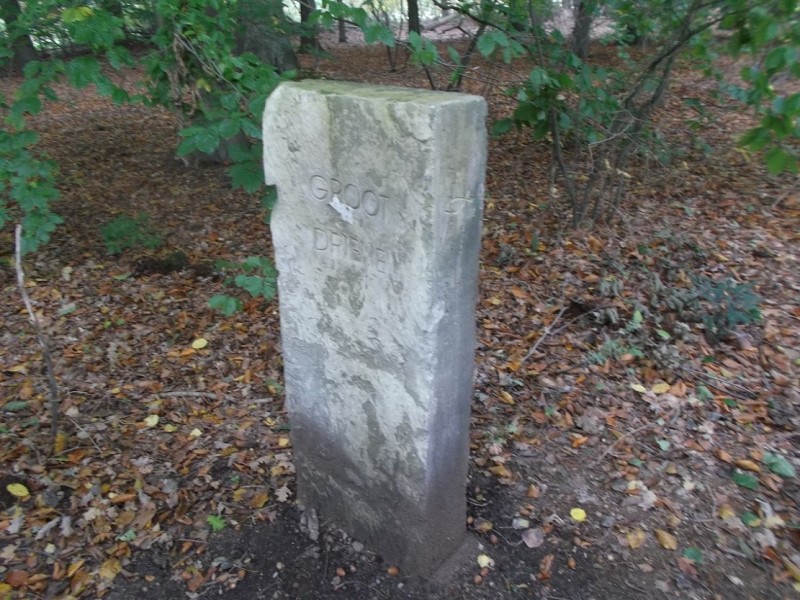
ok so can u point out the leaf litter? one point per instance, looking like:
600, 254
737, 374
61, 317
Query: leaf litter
587, 393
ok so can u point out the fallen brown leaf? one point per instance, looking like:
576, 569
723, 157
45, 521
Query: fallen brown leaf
636, 538
545, 565
666, 539
17, 578
748, 465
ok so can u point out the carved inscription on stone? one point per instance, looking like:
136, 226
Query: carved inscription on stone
340, 246
353, 203
347, 199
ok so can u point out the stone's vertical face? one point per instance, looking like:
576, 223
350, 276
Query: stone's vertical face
376, 233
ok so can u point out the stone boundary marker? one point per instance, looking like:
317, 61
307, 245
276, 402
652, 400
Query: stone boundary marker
376, 233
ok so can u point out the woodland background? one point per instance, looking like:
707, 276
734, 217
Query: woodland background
636, 409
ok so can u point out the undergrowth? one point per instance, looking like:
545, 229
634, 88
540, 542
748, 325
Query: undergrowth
667, 299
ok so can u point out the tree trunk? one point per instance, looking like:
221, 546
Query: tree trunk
113, 6
342, 31
584, 13
19, 41
413, 16
309, 40
258, 35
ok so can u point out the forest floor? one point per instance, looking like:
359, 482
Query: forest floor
592, 391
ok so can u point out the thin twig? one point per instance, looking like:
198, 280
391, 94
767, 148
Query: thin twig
733, 552
208, 395
547, 331
627, 435
718, 382
779, 200
87, 434
617, 442
212, 396
505, 539
637, 588
48, 360
581, 316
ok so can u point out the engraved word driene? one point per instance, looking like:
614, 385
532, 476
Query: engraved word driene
349, 248
358, 198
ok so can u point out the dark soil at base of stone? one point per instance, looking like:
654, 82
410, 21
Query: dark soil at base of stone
279, 561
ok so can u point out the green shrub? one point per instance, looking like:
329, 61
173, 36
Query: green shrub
726, 305
255, 275
125, 232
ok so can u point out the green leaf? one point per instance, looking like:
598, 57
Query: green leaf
662, 334
216, 522
262, 263
125, 232
49, 93
694, 554
247, 175
119, 56
777, 160
15, 405
99, 31
703, 393
227, 305
486, 45
251, 128
228, 128
527, 113
83, 71
777, 58
378, 33
120, 95
108, 88
204, 140
501, 126
386, 37
750, 519
22, 139
454, 56
415, 41
37, 225
244, 153
663, 444
755, 138
779, 465
27, 104
268, 201
252, 284
745, 480
325, 19
229, 102
76, 14
359, 15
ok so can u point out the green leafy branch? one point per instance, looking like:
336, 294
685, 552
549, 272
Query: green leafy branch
255, 275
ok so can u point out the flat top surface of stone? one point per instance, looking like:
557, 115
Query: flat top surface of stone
382, 92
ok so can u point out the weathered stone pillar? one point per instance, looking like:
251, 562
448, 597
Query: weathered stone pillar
376, 233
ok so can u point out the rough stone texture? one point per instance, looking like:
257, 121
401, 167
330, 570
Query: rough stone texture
376, 233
